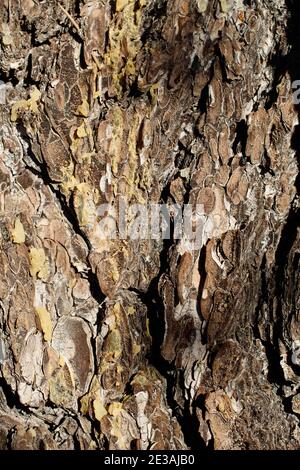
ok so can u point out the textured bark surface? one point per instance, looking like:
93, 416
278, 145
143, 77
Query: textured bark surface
137, 344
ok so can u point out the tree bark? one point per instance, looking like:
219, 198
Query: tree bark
146, 343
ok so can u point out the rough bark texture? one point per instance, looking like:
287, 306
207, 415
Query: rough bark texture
124, 344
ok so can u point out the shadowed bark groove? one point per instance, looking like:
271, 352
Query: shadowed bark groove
144, 343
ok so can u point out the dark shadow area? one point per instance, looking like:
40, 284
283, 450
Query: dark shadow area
276, 283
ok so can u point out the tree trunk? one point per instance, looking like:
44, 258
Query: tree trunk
132, 342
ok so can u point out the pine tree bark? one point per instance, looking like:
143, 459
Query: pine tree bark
147, 344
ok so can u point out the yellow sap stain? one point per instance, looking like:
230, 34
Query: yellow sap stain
18, 233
